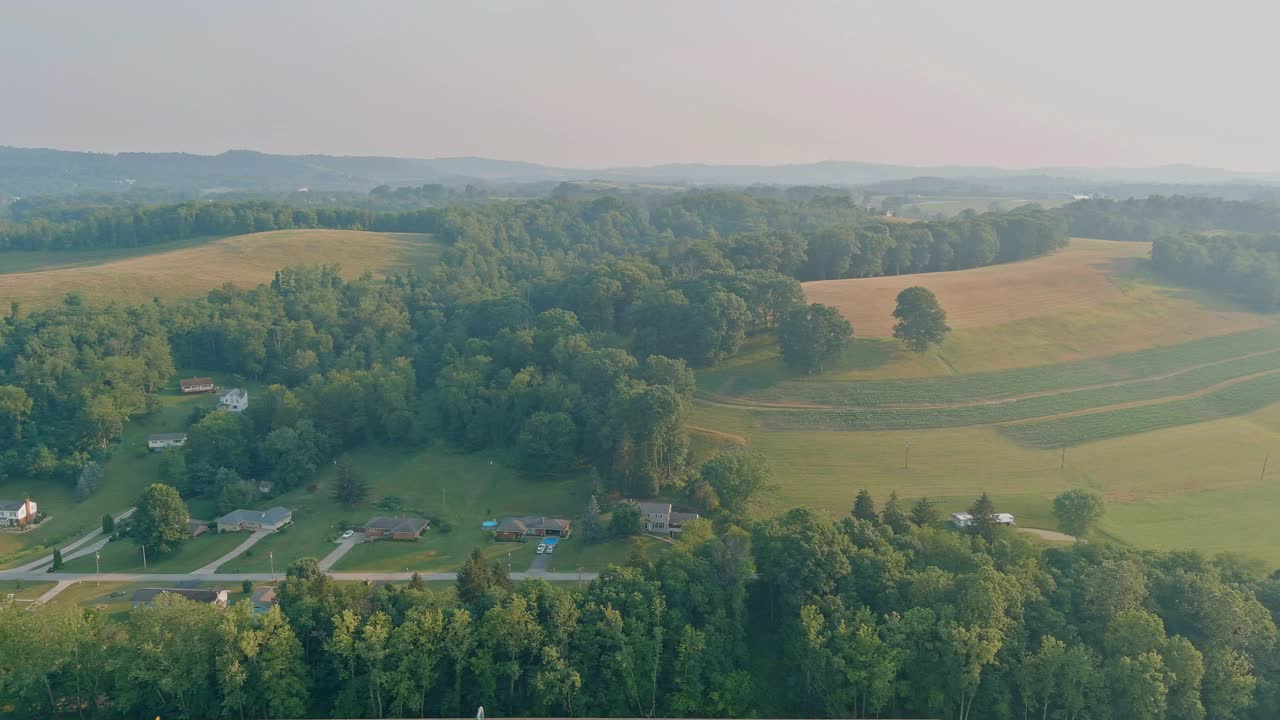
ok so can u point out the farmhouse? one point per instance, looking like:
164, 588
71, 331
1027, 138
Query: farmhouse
964, 519
161, 441
273, 519
396, 528
264, 598
197, 385
16, 512
146, 597
658, 517
234, 400
513, 528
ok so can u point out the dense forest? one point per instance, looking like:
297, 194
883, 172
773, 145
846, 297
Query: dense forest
1244, 266
1156, 216
879, 614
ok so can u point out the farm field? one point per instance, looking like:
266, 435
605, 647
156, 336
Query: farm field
19, 261
244, 260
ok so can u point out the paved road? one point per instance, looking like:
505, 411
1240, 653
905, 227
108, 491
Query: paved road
248, 543
70, 551
344, 547
261, 577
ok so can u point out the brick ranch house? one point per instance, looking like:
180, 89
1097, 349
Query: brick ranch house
395, 528
514, 528
273, 519
197, 385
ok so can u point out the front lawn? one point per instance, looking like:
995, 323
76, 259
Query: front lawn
123, 556
574, 553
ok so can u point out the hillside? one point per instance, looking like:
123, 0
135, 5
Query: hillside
1162, 398
244, 260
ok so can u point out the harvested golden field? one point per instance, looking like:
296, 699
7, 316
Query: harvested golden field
244, 260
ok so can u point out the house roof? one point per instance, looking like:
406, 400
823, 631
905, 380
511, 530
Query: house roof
264, 596
397, 524
146, 595
1006, 518
532, 522
234, 394
680, 517
270, 517
651, 508
160, 437
12, 504
196, 381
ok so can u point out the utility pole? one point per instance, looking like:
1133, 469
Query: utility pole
1264, 466
272, 557
906, 460
1063, 463
97, 569
579, 577
144, 557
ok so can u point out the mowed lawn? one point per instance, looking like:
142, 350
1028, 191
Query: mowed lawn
243, 260
126, 474
466, 489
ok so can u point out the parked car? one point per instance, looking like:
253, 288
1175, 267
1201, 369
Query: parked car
542, 547
550, 549
347, 534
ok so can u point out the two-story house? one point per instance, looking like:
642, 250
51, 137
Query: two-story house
659, 518
234, 400
17, 512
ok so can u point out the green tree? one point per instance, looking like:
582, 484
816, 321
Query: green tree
811, 336
1077, 510
627, 519
108, 524
547, 444
893, 516
983, 519
161, 519
349, 487
923, 513
591, 527
921, 320
57, 559
88, 481
478, 577
738, 477
864, 507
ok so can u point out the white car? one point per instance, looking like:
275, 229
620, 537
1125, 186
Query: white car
347, 534
550, 549
542, 548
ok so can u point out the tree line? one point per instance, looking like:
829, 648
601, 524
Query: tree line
879, 613
1155, 216
1244, 266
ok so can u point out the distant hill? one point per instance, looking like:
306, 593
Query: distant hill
28, 171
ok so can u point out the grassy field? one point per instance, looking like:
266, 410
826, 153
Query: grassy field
123, 556
574, 554
197, 267
20, 261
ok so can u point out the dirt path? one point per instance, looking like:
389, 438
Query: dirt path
1050, 535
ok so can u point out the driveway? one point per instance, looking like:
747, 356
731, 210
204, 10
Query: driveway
213, 566
67, 553
344, 547
539, 564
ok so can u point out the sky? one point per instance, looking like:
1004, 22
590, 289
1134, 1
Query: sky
602, 83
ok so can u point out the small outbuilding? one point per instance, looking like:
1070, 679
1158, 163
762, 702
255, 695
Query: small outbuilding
263, 598
197, 385
163, 441
963, 519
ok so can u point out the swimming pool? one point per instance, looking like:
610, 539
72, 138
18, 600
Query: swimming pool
550, 541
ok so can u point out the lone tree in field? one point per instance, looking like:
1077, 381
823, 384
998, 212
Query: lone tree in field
57, 559
161, 519
87, 483
348, 487
921, 320
108, 524
591, 525
811, 336
1077, 510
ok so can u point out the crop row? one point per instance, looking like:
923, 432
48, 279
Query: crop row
1237, 399
882, 418
1010, 383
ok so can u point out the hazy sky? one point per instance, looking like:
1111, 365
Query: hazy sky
600, 83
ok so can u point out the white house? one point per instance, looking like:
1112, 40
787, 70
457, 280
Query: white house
273, 519
16, 512
234, 400
964, 519
658, 517
160, 441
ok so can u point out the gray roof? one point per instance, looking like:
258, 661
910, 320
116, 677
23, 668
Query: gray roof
649, 508
11, 504
270, 517
397, 524
532, 522
680, 517
264, 596
167, 436
146, 595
